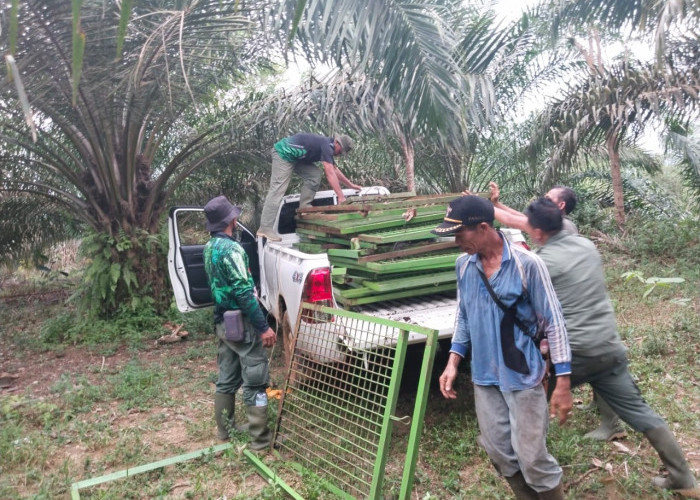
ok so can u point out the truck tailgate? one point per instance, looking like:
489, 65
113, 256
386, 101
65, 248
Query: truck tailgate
431, 311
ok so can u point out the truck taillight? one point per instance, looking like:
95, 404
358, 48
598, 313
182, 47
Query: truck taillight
318, 289
318, 285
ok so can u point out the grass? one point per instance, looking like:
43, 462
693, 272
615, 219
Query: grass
106, 401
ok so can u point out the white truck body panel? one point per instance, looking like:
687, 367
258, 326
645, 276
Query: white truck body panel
283, 271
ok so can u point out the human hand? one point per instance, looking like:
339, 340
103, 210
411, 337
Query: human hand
268, 337
561, 403
495, 192
466, 192
447, 380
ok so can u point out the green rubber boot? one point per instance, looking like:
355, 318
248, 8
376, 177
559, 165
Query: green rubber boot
260, 433
610, 426
679, 478
555, 494
224, 405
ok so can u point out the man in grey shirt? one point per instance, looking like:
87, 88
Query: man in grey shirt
598, 355
565, 199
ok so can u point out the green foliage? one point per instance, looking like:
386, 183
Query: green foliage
78, 393
676, 242
28, 229
111, 282
650, 283
138, 387
125, 326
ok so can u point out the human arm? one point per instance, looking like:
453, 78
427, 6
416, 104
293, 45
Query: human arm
460, 348
268, 337
449, 375
332, 176
506, 215
345, 180
243, 291
561, 401
548, 312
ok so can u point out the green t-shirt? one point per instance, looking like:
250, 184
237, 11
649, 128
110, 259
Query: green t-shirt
576, 269
230, 280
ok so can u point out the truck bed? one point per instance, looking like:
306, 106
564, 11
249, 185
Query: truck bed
432, 311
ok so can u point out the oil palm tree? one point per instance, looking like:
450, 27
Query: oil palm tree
609, 101
102, 115
610, 104
108, 136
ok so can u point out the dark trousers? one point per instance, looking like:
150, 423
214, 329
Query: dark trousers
611, 380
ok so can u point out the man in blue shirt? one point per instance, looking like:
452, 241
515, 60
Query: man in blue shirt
297, 155
506, 364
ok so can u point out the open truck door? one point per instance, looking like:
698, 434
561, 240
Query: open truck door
187, 236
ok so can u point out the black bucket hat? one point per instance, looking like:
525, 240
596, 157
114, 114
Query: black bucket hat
468, 210
220, 212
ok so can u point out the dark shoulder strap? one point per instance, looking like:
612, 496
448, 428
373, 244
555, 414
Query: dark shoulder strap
500, 304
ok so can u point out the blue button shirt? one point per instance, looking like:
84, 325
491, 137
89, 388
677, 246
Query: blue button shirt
479, 318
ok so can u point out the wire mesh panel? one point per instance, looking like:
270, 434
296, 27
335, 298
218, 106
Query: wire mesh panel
335, 418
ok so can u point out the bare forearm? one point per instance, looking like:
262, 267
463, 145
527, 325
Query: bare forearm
331, 175
512, 219
345, 180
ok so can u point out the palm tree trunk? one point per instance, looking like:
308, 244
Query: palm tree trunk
409, 157
614, 155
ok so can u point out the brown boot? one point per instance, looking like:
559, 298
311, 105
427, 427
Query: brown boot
680, 478
224, 405
555, 494
520, 487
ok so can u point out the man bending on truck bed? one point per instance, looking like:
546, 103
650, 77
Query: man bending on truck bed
297, 155
506, 365
241, 357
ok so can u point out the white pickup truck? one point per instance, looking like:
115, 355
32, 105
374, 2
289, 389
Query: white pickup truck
286, 276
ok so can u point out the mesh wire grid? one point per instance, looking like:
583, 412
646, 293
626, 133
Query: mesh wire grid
335, 418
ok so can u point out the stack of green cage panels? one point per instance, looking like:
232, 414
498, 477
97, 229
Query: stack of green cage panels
381, 247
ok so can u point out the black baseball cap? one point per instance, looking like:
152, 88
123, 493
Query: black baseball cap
468, 210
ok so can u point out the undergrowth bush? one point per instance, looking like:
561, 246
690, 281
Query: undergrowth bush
675, 241
127, 326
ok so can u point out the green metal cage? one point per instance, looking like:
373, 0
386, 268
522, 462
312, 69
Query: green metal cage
335, 419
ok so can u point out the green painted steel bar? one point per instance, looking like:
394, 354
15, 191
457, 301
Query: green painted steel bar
353, 293
345, 228
347, 253
338, 423
430, 199
415, 292
310, 248
405, 234
144, 468
273, 478
324, 483
413, 264
431, 262
320, 236
391, 285
376, 216
418, 416
392, 400
399, 266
